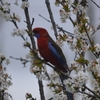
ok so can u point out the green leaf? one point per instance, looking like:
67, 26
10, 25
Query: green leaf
38, 63
82, 61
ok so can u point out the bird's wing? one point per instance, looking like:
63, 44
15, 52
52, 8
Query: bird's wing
56, 51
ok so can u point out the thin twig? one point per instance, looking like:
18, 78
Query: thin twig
72, 21
91, 91
69, 33
1, 2
90, 95
44, 18
51, 98
51, 17
95, 4
58, 27
95, 54
32, 22
88, 36
14, 22
21, 59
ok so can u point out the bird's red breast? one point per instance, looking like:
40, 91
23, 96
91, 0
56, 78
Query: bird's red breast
46, 53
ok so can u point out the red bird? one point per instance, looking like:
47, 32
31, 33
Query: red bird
49, 50
52, 53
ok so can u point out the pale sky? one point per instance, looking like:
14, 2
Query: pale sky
23, 80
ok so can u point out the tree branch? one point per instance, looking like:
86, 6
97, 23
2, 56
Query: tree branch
90, 95
91, 91
1, 2
41, 89
29, 26
58, 27
95, 4
51, 17
95, 54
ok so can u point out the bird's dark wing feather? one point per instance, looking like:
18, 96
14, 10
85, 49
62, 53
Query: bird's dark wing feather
56, 51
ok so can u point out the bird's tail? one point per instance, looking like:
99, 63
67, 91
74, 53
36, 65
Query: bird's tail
69, 94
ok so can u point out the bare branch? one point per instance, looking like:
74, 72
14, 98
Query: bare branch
32, 21
14, 22
72, 21
51, 98
90, 95
58, 27
44, 18
92, 91
29, 26
96, 54
21, 59
41, 89
51, 17
1, 2
95, 4
64, 31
